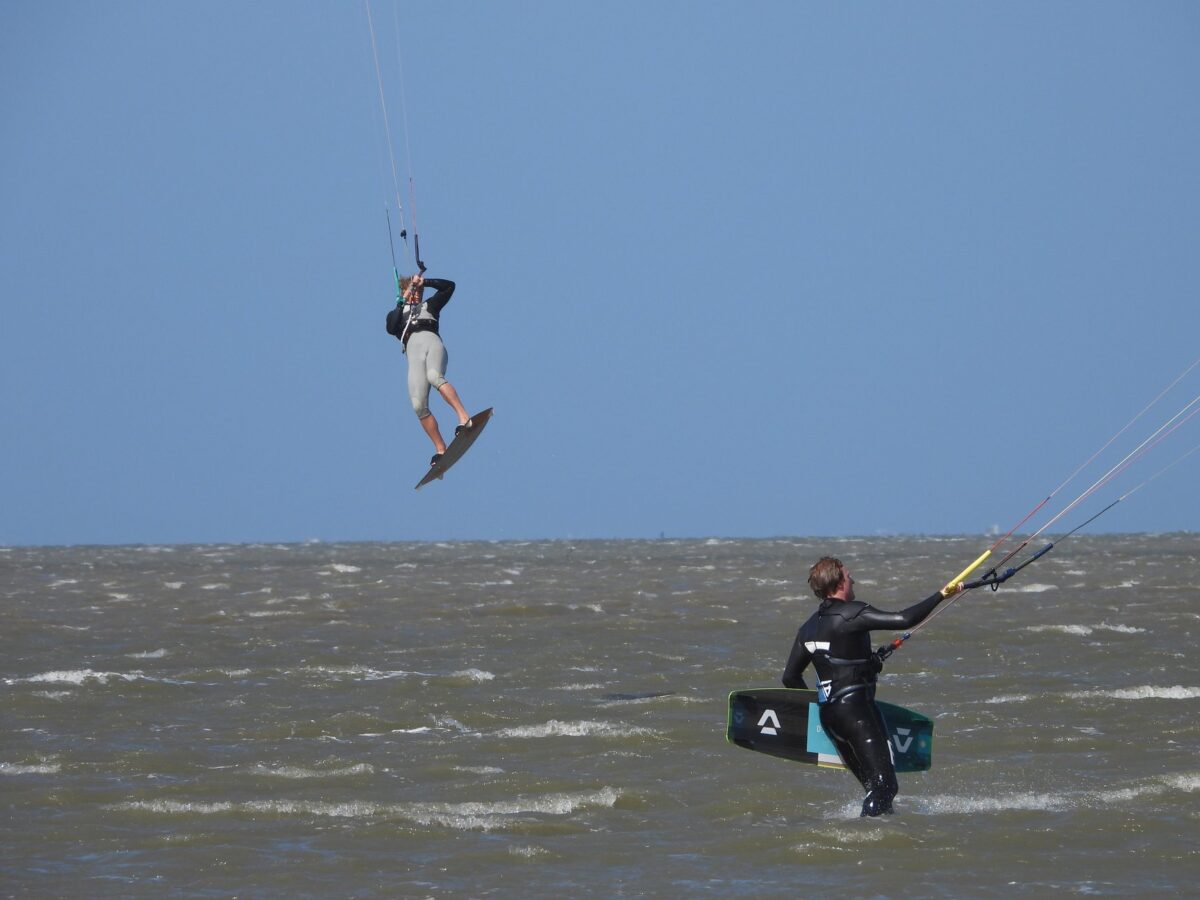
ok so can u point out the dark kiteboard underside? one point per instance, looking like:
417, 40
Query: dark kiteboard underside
460, 445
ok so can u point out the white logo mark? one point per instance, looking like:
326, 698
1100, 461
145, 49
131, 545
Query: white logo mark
769, 723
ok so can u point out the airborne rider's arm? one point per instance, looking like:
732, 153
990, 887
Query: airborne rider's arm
444, 288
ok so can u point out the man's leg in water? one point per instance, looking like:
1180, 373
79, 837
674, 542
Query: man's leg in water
855, 726
881, 783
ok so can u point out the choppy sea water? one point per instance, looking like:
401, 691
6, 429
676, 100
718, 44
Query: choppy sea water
547, 720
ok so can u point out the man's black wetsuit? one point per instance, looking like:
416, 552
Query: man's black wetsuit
837, 641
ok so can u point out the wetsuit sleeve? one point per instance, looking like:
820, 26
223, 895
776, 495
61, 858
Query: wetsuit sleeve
444, 288
797, 662
872, 619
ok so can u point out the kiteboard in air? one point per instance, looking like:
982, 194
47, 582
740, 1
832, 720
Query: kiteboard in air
785, 722
461, 444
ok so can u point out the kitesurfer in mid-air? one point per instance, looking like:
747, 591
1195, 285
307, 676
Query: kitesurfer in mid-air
837, 641
415, 321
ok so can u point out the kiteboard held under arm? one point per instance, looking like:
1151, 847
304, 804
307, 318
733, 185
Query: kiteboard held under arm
786, 722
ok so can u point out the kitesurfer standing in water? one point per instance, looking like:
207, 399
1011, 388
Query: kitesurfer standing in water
415, 322
837, 641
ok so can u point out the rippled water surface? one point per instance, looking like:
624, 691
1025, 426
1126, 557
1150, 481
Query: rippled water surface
547, 719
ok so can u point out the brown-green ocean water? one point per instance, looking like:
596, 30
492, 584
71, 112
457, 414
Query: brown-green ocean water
547, 720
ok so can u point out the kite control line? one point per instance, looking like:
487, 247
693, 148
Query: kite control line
994, 577
1163, 431
391, 150
395, 268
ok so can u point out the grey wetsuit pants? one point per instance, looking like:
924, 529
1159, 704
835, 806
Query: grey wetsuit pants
427, 359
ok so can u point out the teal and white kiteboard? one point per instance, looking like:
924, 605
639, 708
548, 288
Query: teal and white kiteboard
785, 722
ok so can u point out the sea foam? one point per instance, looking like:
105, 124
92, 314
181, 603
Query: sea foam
1084, 630
302, 772
37, 769
76, 676
555, 728
478, 816
1144, 692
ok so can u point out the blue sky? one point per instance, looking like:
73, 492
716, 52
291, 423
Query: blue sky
769, 268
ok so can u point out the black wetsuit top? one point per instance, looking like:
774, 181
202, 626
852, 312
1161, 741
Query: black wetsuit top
837, 641
426, 313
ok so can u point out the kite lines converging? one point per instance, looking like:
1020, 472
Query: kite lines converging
391, 148
994, 577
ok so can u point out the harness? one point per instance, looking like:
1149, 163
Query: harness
416, 324
822, 648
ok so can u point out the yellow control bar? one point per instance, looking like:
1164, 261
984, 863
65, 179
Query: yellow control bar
961, 576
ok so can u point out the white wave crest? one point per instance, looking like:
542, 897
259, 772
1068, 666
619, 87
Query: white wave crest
38, 769
1065, 629
1084, 630
1034, 588
1187, 783
1116, 796
1144, 692
484, 816
339, 567
76, 676
591, 607
496, 814
148, 654
967, 805
1121, 629
301, 772
364, 673
555, 728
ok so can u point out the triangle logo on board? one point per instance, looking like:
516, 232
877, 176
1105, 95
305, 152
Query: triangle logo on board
769, 723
